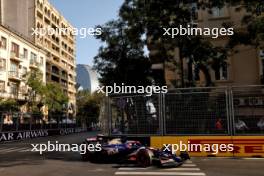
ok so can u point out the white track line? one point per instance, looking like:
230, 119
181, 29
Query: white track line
188, 162
188, 165
25, 150
161, 173
6, 150
9, 150
133, 168
165, 169
182, 169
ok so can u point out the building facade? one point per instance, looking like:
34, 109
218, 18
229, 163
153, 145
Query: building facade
27, 15
18, 56
244, 67
87, 78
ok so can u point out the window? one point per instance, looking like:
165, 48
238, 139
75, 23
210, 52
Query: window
2, 64
261, 57
221, 73
2, 86
41, 61
194, 11
24, 70
218, 12
25, 53
13, 67
3, 42
13, 88
33, 58
15, 49
196, 73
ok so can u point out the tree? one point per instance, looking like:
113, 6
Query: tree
36, 91
55, 98
252, 21
150, 17
49, 94
8, 105
88, 107
121, 59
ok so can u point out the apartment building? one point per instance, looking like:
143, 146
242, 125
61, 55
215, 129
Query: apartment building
245, 67
61, 64
18, 56
23, 16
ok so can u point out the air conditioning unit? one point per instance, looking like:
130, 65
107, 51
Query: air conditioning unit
239, 102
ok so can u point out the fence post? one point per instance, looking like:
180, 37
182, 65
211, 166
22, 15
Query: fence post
232, 114
1, 122
109, 115
17, 121
227, 103
161, 114
30, 122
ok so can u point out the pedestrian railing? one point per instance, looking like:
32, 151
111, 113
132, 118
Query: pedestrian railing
16, 121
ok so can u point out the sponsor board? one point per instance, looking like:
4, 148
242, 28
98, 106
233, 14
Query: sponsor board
21, 135
244, 146
71, 131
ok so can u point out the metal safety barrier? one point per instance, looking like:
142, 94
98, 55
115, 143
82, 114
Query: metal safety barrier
224, 111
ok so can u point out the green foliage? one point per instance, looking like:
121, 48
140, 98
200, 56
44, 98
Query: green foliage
34, 79
253, 20
88, 107
55, 97
50, 94
121, 59
150, 17
8, 105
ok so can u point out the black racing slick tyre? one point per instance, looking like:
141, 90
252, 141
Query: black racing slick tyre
144, 157
185, 156
85, 157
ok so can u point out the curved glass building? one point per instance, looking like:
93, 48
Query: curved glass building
87, 78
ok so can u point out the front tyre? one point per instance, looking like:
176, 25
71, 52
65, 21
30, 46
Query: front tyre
144, 157
85, 157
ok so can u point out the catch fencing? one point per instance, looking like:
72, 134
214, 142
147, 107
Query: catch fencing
227, 111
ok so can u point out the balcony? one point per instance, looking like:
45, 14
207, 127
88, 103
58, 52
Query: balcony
72, 89
55, 71
14, 75
72, 80
33, 64
18, 96
14, 57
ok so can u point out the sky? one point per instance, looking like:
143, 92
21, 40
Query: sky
87, 14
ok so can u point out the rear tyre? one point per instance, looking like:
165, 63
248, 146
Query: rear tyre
185, 156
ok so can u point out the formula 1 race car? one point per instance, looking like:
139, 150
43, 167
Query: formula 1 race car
120, 150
